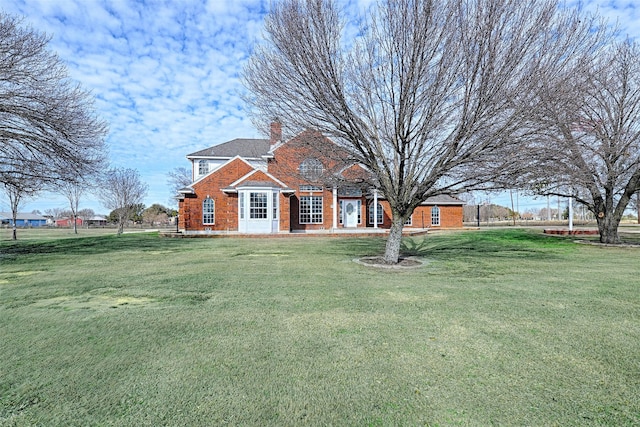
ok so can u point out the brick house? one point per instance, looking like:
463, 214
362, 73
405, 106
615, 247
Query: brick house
307, 183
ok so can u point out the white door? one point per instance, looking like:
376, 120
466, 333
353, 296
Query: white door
350, 213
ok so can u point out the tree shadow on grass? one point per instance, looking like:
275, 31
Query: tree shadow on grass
358, 246
489, 244
11, 250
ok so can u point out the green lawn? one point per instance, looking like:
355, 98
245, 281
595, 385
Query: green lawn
499, 327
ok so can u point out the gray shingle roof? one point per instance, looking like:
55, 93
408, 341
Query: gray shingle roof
23, 216
443, 199
243, 147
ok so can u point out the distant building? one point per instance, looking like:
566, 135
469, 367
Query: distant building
96, 221
68, 222
23, 219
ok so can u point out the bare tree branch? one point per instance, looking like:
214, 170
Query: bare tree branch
44, 116
425, 96
590, 147
122, 191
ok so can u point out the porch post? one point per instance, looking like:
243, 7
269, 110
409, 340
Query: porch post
335, 207
375, 208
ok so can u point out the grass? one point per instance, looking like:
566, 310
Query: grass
505, 327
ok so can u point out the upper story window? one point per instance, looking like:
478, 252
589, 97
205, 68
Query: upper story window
311, 169
203, 167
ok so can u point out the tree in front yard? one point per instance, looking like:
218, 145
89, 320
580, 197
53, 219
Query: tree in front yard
424, 93
44, 115
588, 146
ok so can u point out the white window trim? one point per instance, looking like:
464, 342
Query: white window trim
437, 210
254, 209
311, 213
380, 213
212, 213
203, 167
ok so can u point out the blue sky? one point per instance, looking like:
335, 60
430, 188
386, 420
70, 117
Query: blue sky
166, 75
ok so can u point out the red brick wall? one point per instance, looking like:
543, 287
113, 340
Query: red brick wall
226, 206
450, 216
285, 167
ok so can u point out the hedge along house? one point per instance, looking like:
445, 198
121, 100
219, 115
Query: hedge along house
307, 183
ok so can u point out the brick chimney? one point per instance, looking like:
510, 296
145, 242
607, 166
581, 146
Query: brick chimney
276, 132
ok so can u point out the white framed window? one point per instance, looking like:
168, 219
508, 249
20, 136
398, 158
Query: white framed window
241, 202
409, 220
310, 188
311, 209
208, 211
203, 167
258, 205
275, 205
435, 216
379, 213
311, 169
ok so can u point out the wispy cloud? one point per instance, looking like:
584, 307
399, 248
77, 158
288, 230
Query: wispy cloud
165, 75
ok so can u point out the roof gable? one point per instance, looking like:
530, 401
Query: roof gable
257, 178
239, 167
308, 138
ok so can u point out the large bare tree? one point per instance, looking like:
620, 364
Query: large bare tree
588, 145
424, 93
43, 113
122, 191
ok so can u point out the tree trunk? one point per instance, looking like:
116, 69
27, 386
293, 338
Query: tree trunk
392, 249
75, 224
121, 226
608, 228
14, 214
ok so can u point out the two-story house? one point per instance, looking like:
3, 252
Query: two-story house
256, 186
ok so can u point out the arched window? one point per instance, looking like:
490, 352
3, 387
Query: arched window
203, 167
208, 211
379, 213
311, 169
435, 215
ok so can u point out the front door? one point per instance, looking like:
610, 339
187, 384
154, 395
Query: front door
350, 213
